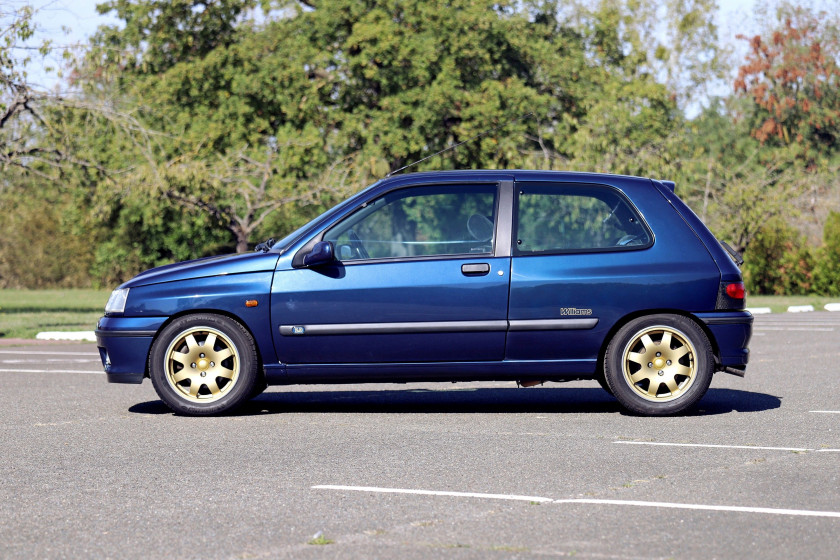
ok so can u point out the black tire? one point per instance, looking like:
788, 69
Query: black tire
659, 365
204, 364
602, 381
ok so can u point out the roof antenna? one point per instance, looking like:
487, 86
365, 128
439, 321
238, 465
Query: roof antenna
470, 139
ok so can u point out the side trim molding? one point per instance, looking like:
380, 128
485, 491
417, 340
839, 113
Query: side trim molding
438, 327
119, 334
393, 328
553, 324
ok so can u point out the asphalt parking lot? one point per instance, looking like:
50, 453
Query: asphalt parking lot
425, 471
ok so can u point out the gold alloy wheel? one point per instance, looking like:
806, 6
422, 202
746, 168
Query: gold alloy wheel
201, 364
659, 363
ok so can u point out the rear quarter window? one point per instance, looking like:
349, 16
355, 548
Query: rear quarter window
570, 218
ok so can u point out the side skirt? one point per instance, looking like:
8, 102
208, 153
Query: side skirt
508, 370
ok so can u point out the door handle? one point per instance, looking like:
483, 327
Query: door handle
475, 269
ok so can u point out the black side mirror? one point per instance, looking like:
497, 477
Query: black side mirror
322, 253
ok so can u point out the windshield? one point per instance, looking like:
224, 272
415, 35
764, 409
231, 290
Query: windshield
283, 245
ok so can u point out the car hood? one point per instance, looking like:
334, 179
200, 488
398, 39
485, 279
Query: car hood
202, 268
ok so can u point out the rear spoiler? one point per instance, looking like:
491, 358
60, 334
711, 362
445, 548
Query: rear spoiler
670, 185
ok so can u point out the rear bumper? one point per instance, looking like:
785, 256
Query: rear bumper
124, 344
732, 331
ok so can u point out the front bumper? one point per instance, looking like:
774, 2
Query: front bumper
732, 331
124, 344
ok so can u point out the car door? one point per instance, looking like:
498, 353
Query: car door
575, 270
583, 258
416, 279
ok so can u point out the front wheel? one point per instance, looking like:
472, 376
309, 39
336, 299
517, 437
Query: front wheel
204, 364
659, 364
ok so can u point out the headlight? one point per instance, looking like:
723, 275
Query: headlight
116, 303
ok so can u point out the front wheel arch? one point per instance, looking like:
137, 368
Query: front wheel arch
225, 370
243, 324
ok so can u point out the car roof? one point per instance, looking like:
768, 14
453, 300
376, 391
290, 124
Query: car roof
509, 174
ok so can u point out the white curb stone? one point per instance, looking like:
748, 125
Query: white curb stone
800, 308
52, 335
759, 310
832, 306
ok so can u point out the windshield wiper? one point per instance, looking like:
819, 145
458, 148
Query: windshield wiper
265, 246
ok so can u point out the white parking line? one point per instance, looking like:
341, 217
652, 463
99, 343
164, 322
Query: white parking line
26, 353
738, 509
48, 371
433, 493
796, 324
539, 499
714, 446
813, 329
826, 411
53, 360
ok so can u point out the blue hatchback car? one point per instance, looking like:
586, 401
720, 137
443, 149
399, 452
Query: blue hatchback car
527, 276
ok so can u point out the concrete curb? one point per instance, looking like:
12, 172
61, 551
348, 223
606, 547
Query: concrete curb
87, 336
759, 310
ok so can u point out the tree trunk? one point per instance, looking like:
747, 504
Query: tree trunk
241, 239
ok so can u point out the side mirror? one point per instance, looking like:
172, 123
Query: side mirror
322, 253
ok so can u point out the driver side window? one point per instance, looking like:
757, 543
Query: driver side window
419, 222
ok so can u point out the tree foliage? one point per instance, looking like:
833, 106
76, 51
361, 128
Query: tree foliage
792, 77
207, 125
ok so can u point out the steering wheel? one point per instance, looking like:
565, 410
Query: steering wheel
356, 243
629, 240
480, 227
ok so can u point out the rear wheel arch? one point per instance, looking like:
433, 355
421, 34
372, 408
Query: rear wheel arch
659, 364
636, 315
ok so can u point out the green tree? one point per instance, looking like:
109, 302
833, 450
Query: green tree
827, 268
19, 111
778, 261
792, 77
354, 89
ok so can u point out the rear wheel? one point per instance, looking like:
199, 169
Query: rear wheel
602, 381
659, 365
204, 364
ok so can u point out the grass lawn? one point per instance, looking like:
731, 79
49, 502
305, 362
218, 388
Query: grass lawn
25, 313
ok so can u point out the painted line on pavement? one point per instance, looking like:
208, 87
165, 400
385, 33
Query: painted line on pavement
703, 507
28, 353
54, 360
714, 446
797, 323
793, 449
433, 493
49, 371
759, 327
825, 411
540, 499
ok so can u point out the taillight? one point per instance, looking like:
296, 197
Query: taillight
731, 296
735, 290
